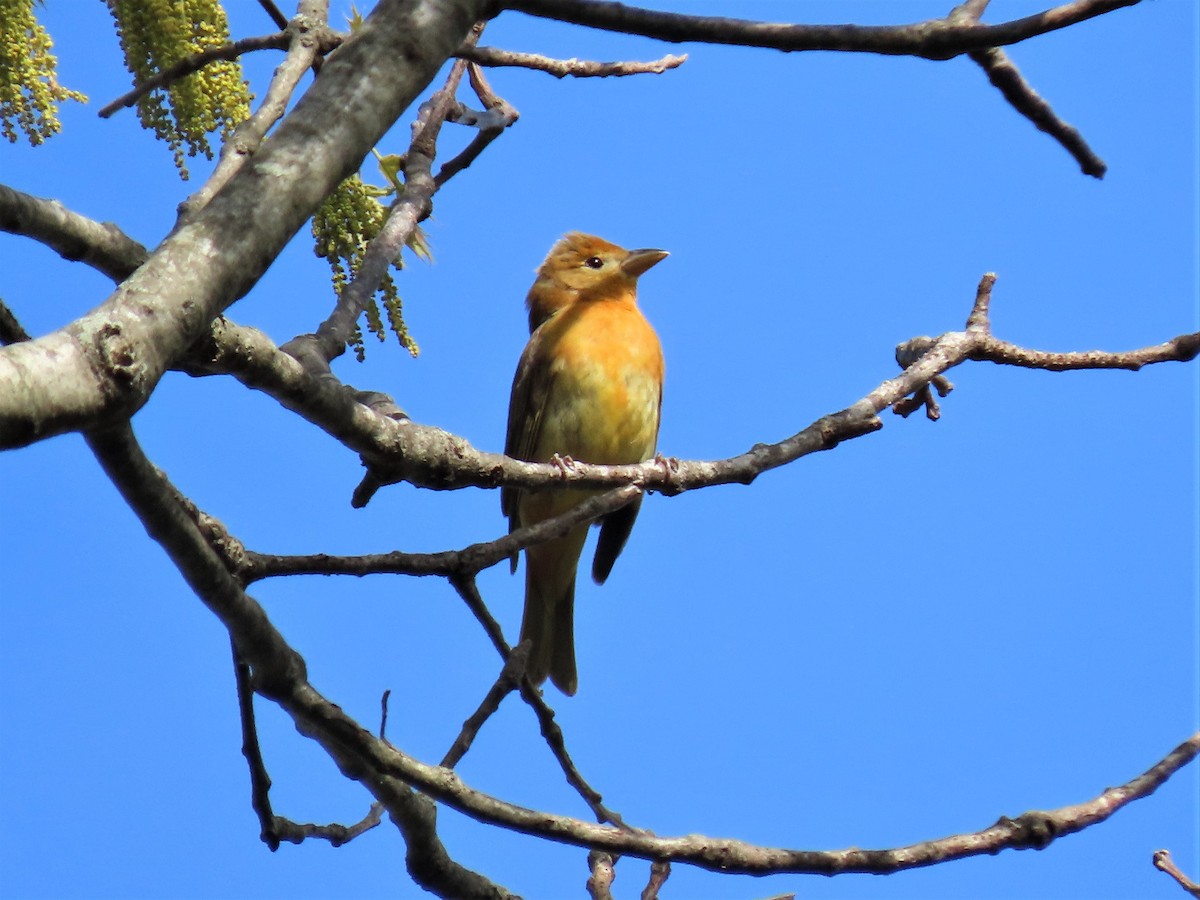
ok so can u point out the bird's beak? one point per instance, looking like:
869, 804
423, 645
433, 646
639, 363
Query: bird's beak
638, 261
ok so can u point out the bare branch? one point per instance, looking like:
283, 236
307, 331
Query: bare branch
510, 676
464, 563
1163, 862
491, 124
101, 245
275, 829
561, 68
933, 39
660, 871
1002, 73
106, 364
274, 12
279, 672
603, 873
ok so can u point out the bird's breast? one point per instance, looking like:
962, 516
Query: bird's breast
606, 368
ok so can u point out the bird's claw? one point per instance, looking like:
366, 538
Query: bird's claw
563, 463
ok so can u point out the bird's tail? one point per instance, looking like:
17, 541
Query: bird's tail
549, 620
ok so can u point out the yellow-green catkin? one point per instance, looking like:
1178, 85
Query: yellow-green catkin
156, 34
29, 88
346, 222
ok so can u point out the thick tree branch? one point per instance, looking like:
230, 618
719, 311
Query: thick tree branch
104, 366
279, 673
933, 39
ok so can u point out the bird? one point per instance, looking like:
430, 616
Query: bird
588, 387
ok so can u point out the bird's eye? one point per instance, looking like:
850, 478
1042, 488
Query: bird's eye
594, 262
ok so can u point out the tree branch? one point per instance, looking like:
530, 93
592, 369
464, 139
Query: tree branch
561, 68
195, 63
933, 39
279, 673
1163, 862
76, 238
277, 828
1004, 75
104, 366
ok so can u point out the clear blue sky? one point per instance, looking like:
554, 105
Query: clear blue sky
904, 638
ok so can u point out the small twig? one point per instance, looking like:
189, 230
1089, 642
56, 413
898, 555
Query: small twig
1163, 862
11, 331
383, 714
274, 12
978, 344
499, 116
510, 676
276, 829
411, 207
977, 321
195, 63
260, 781
660, 871
469, 591
305, 43
602, 873
1007, 78
457, 564
552, 734
561, 68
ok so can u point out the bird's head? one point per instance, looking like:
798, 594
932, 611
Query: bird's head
584, 267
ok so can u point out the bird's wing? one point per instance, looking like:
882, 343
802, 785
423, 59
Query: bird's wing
531, 387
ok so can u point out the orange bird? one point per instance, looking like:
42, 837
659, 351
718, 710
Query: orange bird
588, 387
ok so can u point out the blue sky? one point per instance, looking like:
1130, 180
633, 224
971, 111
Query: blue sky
904, 638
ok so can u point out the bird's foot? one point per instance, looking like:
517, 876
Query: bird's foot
565, 464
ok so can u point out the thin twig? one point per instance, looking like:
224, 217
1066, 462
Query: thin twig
274, 12
458, 565
1163, 862
275, 829
1007, 78
510, 676
195, 63
411, 207
499, 116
